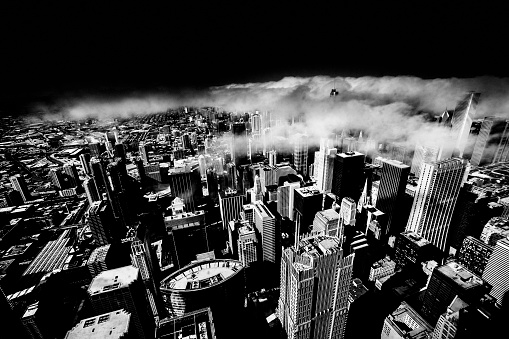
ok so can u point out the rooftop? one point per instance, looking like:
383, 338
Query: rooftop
202, 274
113, 279
408, 322
329, 214
415, 238
319, 245
108, 325
308, 191
460, 275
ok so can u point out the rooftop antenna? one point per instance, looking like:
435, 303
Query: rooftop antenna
333, 92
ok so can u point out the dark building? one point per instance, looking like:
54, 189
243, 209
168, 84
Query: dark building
120, 151
307, 201
474, 255
393, 180
239, 143
185, 183
196, 324
487, 141
410, 249
102, 224
447, 282
348, 175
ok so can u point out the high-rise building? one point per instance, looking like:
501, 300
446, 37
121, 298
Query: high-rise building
285, 199
247, 214
314, 290
85, 163
19, 184
496, 272
247, 245
202, 165
464, 114
410, 248
256, 124
406, 323
328, 222
447, 282
447, 325
72, 174
348, 211
272, 158
57, 179
101, 223
495, 229
428, 153
474, 255
393, 180
307, 201
185, 183
196, 324
502, 151
239, 143
91, 190
122, 288
348, 177
230, 205
323, 167
111, 325
268, 228
435, 199
300, 154
143, 149
488, 140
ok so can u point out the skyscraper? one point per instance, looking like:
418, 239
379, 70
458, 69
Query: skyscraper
247, 245
435, 199
91, 190
300, 154
474, 255
328, 222
488, 140
393, 180
324, 165
230, 205
502, 151
285, 198
122, 288
347, 180
102, 225
307, 201
19, 184
314, 290
462, 118
239, 143
85, 163
496, 272
347, 211
272, 158
268, 228
72, 174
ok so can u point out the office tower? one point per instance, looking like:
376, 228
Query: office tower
239, 143
247, 214
230, 205
202, 165
496, 272
212, 184
19, 184
447, 282
447, 325
348, 211
300, 154
102, 225
272, 158
381, 268
99, 260
327, 222
314, 290
85, 163
323, 167
122, 288
97, 173
186, 141
185, 183
256, 124
152, 172
285, 199
188, 234
347, 180
502, 150
216, 283
96, 149
410, 249
406, 323
120, 150
247, 245
393, 180
72, 174
196, 324
111, 325
91, 190
488, 141
57, 179
464, 114
376, 223
307, 201
233, 235
268, 228
495, 229
435, 199
257, 190
231, 172
141, 258
143, 149
474, 255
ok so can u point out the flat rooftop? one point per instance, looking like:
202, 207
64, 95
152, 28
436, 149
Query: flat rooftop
416, 238
202, 274
460, 275
308, 191
329, 214
108, 325
318, 245
113, 279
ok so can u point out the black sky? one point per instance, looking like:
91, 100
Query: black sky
50, 50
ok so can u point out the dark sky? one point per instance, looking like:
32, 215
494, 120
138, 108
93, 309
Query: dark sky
52, 50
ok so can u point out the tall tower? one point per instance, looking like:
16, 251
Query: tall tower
230, 205
285, 198
267, 227
239, 143
435, 199
487, 141
348, 177
464, 114
393, 179
502, 152
496, 272
91, 190
324, 165
19, 184
300, 154
315, 280
273, 157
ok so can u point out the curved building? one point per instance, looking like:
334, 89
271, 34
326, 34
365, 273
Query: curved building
217, 283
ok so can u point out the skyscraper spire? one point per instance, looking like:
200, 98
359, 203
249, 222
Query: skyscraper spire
334, 92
